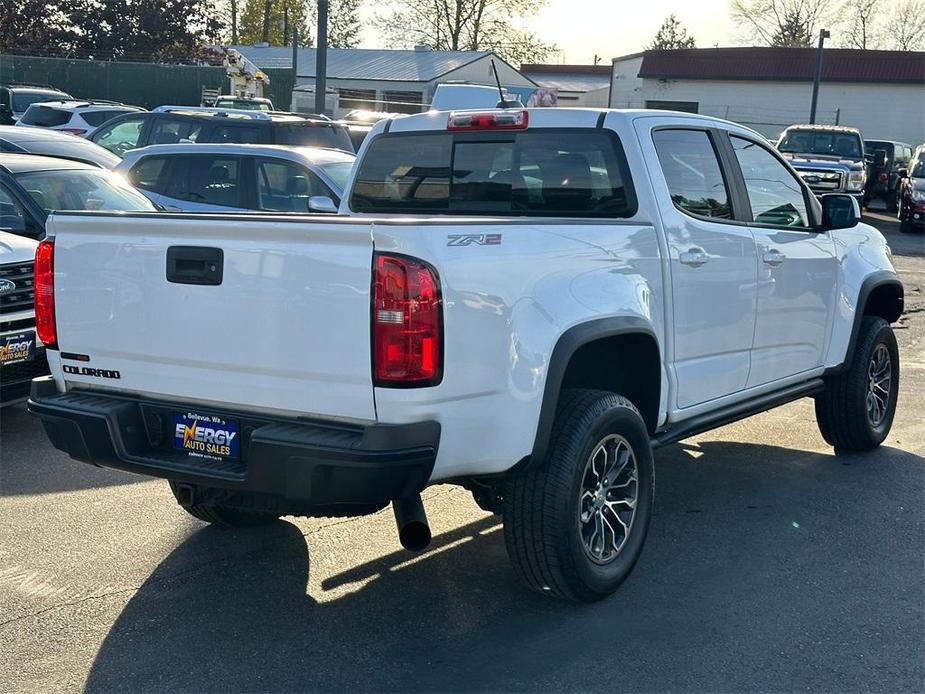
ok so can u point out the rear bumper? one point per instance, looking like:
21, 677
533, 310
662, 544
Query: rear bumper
305, 465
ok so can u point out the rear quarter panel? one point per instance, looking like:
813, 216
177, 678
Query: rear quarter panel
506, 305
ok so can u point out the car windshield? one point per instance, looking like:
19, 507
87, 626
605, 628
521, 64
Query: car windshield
243, 104
338, 172
23, 98
918, 166
82, 189
825, 142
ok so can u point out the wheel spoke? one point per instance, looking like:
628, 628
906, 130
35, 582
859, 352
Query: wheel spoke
608, 499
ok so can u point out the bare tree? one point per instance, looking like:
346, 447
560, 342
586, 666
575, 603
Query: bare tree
781, 22
489, 25
905, 26
861, 25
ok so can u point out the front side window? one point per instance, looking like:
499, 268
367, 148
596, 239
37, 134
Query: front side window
531, 173
13, 217
775, 195
206, 179
82, 189
168, 131
284, 186
149, 173
692, 172
119, 137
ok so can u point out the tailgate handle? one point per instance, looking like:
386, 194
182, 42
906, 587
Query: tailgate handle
195, 265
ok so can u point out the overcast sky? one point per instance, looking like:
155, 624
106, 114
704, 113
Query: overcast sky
611, 28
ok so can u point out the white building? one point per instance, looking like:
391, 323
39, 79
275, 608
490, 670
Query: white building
388, 80
882, 93
575, 85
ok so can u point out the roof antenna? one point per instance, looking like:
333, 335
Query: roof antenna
503, 103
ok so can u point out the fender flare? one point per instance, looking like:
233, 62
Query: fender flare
873, 281
568, 343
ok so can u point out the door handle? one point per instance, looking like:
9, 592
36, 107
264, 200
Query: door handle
773, 257
195, 265
695, 257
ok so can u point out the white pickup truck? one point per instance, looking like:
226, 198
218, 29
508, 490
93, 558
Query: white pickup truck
522, 302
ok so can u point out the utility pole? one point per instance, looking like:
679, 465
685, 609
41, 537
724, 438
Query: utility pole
823, 35
321, 56
295, 65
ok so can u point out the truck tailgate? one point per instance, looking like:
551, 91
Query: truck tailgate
286, 329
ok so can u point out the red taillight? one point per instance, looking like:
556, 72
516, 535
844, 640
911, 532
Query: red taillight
884, 176
490, 120
45, 293
406, 317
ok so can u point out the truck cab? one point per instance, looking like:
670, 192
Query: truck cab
829, 158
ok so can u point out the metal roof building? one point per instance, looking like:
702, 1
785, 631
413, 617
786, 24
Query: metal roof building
882, 93
390, 80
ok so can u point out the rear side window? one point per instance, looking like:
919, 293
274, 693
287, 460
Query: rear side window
533, 173
45, 116
149, 173
692, 172
97, 118
313, 135
242, 134
206, 179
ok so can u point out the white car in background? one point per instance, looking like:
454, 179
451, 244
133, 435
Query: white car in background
239, 178
77, 117
50, 143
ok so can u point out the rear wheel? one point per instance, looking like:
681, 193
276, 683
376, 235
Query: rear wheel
575, 525
855, 412
221, 514
892, 201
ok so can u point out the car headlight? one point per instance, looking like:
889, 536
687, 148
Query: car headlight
918, 195
856, 180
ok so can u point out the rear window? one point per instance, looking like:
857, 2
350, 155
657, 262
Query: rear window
45, 116
313, 135
533, 173
24, 98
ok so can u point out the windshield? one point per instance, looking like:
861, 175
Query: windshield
23, 99
82, 189
825, 142
338, 172
918, 166
314, 135
243, 104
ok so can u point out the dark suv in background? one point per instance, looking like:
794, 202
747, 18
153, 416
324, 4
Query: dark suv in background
16, 98
888, 158
172, 124
911, 212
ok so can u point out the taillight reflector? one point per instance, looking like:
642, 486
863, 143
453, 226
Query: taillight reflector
489, 120
884, 176
407, 325
44, 286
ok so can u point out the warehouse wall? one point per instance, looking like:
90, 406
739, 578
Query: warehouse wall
880, 111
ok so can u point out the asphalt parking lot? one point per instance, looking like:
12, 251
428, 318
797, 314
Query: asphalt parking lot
771, 565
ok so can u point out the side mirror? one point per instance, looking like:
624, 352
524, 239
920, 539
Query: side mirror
321, 203
902, 173
839, 212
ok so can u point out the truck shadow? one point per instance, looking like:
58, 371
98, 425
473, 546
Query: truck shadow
31, 465
730, 586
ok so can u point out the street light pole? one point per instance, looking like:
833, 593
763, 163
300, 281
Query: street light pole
823, 35
321, 56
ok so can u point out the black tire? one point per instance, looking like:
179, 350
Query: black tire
905, 225
842, 409
227, 516
543, 504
